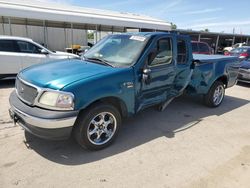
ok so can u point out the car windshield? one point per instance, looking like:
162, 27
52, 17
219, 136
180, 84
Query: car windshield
239, 50
117, 50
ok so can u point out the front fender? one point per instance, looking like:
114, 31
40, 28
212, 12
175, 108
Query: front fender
89, 91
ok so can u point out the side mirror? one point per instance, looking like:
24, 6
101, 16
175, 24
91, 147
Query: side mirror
146, 78
147, 71
43, 51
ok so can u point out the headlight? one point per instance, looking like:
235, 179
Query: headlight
57, 100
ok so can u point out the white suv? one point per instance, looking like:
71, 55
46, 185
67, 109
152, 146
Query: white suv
17, 53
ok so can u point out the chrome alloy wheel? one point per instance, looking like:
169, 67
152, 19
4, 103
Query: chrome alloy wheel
101, 128
218, 94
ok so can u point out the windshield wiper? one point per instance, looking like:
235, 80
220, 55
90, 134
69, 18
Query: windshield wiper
102, 61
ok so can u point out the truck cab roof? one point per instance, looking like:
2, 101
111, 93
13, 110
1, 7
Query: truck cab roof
150, 34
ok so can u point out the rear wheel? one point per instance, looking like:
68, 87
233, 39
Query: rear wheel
215, 95
97, 127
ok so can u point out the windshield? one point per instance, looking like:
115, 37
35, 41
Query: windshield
117, 50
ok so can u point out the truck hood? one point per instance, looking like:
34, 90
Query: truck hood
56, 75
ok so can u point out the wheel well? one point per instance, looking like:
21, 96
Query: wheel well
116, 102
223, 79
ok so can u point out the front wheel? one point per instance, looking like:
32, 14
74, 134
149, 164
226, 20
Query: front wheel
97, 127
215, 95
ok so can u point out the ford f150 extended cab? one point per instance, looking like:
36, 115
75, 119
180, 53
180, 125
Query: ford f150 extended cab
118, 77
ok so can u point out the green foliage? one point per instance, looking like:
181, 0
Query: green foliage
173, 26
205, 30
90, 35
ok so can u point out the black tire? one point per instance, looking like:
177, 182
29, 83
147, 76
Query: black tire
83, 126
209, 97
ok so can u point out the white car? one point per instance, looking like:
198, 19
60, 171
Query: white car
237, 45
17, 53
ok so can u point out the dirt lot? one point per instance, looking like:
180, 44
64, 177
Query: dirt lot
187, 145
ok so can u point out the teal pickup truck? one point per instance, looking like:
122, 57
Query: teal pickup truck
118, 77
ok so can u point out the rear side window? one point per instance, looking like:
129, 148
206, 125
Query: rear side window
27, 47
195, 47
203, 48
181, 52
7, 46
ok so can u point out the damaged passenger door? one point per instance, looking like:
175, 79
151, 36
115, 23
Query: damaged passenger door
158, 73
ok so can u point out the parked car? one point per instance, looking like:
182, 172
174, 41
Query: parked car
244, 71
118, 77
17, 53
230, 48
201, 48
242, 53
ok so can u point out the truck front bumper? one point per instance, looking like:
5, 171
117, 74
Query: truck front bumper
48, 124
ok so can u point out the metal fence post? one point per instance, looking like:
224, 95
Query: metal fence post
72, 38
26, 27
10, 26
217, 43
3, 25
96, 34
199, 37
233, 40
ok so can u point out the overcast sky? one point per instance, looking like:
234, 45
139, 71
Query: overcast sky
218, 16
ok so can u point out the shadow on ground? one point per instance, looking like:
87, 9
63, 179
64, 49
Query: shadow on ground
7, 83
247, 85
148, 125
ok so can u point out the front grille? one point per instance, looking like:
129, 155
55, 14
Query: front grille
26, 92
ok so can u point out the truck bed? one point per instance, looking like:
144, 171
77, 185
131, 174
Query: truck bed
211, 68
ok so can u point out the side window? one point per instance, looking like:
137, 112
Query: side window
7, 46
195, 47
164, 52
203, 48
236, 45
181, 52
27, 47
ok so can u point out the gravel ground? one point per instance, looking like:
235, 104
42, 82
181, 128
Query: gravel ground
188, 145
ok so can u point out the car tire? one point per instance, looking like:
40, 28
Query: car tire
215, 95
97, 126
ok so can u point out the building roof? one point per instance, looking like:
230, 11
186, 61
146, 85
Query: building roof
44, 10
210, 33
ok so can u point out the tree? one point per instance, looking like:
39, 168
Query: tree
173, 26
206, 30
90, 35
